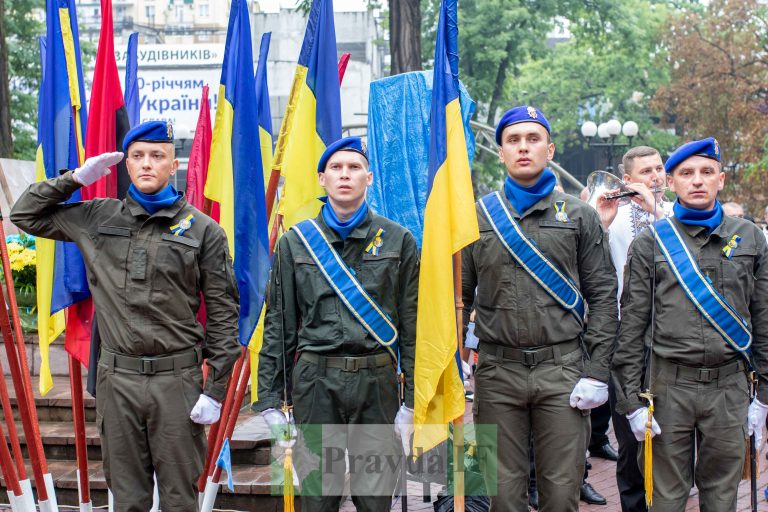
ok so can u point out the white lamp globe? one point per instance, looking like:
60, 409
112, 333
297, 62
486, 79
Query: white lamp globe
630, 129
602, 131
614, 127
589, 129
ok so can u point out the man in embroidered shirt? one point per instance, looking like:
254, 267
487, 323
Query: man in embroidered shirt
317, 354
146, 283
696, 371
643, 173
532, 373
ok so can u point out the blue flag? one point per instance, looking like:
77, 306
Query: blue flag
225, 462
132, 104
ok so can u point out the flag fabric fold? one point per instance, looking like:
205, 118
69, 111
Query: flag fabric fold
199, 155
61, 278
236, 180
312, 118
450, 223
132, 103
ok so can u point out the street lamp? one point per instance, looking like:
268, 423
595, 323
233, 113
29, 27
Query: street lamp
607, 133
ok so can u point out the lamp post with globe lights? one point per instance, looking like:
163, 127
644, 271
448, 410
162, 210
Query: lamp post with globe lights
607, 134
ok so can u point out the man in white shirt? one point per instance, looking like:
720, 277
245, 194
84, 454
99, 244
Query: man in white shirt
644, 174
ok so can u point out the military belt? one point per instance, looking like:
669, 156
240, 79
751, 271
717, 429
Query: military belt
530, 356
348, 364
151, 365
703, 375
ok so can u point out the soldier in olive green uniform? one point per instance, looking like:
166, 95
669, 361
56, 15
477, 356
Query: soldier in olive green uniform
697, 378
315, 351
539, 371
148, 259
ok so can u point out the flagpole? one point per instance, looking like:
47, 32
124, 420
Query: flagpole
13, 435
10, 475
458, 423
22, 383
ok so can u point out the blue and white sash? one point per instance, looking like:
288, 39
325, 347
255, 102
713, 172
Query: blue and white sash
715, 308
347, 287
525, 252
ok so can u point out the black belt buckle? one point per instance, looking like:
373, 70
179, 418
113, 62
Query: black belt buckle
148, 367
529, 358
705, 375
351, 364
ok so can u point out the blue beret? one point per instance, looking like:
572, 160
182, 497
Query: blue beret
523, 114
346, 144
706, 147
150, 131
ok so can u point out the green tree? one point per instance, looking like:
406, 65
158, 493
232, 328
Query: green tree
22, 25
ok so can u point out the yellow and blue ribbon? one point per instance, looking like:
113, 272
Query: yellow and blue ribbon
183, 225
560, 213
731, 246
376, 243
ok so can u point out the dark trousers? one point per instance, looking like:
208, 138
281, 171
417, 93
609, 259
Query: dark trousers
629, 478
600, 418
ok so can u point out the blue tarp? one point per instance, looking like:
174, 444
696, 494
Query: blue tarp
398, 145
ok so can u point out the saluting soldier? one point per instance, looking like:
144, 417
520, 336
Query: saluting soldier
341, 310
148, 258
541, 258
706, 275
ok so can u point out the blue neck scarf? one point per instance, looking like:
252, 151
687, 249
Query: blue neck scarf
523, 198
153, 203
346, 227
707, 218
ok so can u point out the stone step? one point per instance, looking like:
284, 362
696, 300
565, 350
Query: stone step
252, 487
58, 357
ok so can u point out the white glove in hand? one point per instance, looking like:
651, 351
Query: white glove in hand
281, 426
756, 421
637, 422
404, 427
206, 411
588, 394
96, 167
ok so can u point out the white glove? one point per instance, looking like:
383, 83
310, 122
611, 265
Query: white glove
637, 422
756, 421
206, 411
588, 394
96, 167
281, 426
404, 427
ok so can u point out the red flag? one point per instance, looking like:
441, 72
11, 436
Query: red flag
199, 155
343, 61
107, 125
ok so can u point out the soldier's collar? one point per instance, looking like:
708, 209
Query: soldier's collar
137, 210
542, 204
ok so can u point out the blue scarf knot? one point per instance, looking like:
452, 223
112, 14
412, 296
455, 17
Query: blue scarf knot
706, 218
153, 203
346, 227
523, 198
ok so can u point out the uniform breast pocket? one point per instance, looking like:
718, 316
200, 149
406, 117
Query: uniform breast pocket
739, 273
110, 264
558, 241
379, 274
176, 274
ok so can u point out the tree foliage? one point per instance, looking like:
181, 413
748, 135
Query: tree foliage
719, 88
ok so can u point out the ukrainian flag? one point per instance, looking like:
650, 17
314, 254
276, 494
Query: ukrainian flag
235, 178
265, 136
61, 279
450, 223
312, 118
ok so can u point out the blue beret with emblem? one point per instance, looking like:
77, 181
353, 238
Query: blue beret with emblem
150, 131
523, 114
346, 144
706, 147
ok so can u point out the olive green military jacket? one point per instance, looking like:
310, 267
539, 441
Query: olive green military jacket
145, 282
681, 334
305, 314
513, 310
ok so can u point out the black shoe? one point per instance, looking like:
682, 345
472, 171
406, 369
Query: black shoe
606, 452
588, 494
533, 498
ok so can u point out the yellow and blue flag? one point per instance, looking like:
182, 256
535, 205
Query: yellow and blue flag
312, 118
267, 148
450, 223
235, 178
61, 278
